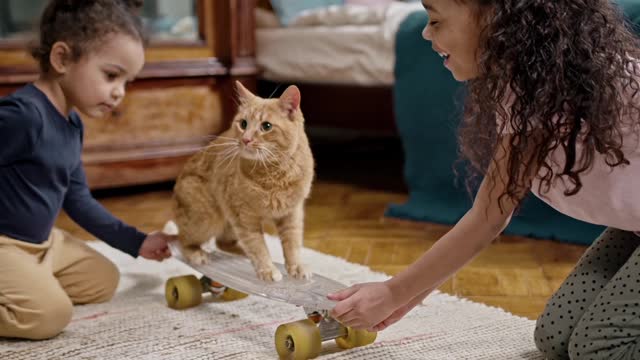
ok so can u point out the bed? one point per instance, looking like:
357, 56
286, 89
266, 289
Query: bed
342, 58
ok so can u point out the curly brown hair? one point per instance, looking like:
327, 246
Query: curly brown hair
570, 67
83, 23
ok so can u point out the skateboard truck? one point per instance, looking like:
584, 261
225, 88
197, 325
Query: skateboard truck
221, 291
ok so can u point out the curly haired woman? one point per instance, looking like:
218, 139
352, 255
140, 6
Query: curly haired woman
552, 108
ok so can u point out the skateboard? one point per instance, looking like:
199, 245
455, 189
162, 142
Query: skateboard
232, 277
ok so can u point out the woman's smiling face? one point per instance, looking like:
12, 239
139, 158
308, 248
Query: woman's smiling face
454, 31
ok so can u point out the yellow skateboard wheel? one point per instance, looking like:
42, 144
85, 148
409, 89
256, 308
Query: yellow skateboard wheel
299, 340
183, 292
355, 338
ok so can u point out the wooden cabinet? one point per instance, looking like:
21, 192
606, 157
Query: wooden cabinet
182, 97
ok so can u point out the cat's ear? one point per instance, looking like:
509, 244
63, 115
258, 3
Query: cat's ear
243, 94
290, 99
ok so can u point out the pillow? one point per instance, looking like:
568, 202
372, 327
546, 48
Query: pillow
340, 16
288, 9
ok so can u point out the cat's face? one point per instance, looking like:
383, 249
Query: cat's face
267, 129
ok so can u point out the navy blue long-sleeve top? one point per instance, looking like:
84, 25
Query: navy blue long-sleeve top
41, 173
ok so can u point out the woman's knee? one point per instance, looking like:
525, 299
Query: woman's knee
577, 347
599, 338
552, 343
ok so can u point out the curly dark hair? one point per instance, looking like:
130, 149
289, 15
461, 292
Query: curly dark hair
570, 67
83, 23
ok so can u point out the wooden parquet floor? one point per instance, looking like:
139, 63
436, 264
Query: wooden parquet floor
344, 217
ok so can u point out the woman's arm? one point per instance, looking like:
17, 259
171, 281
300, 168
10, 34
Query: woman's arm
477, 229
379, 304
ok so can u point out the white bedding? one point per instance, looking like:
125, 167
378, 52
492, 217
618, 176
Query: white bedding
338, 45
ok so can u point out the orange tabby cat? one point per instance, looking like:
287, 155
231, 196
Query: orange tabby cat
258, 170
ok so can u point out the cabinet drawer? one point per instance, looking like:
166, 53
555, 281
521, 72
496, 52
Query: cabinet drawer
157, 117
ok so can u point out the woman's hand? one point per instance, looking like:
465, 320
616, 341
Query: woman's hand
363, 306
401, 312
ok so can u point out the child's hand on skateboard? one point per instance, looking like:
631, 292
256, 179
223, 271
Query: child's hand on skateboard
156, 246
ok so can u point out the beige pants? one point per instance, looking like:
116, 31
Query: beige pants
39, 283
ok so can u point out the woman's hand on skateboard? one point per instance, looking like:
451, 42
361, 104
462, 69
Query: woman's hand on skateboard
401, 312
365, 306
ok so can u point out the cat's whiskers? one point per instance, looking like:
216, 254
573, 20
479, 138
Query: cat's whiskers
262, 157
270, 172
219, 146
270, 156
267, 158
214, 144
255, 162
229, 155
233, 158
213, 137
285, 160
222, 143
286, 164
226, 154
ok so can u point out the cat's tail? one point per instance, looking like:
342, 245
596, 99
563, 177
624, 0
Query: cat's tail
170, 228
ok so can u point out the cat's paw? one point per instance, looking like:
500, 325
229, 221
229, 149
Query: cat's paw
270, 273
197, 257
299, 271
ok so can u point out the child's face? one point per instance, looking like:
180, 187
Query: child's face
454, 32
96, 83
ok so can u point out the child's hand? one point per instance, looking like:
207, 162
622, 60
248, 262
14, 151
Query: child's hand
363, 306
155, 246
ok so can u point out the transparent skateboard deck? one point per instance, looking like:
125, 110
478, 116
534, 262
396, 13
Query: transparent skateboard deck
236, 272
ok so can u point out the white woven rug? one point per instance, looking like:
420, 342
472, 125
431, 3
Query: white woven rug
137, 324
